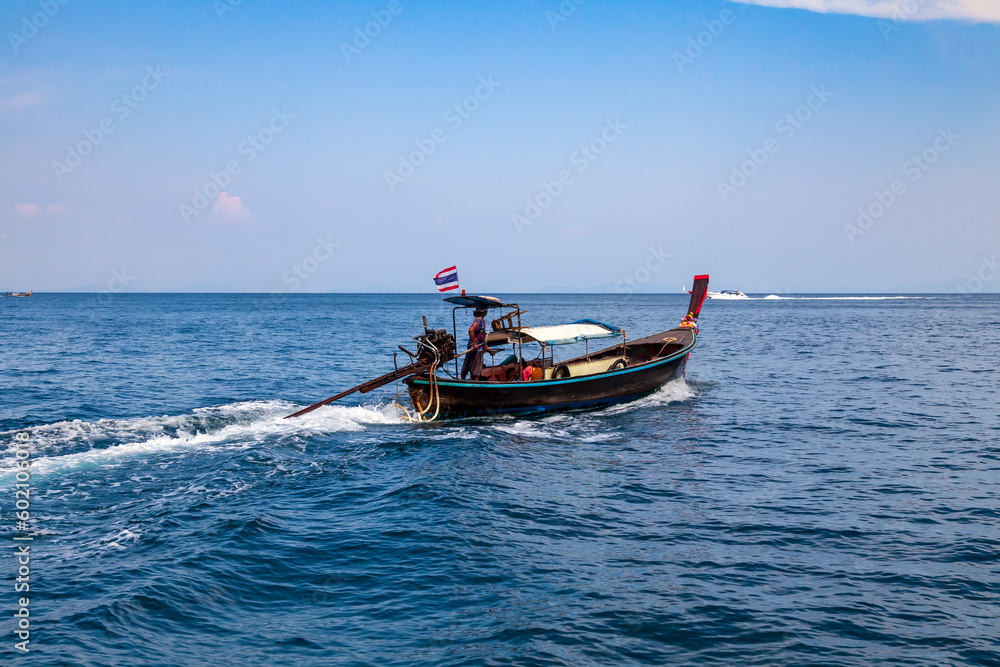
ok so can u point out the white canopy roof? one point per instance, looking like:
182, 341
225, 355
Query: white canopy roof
563, 334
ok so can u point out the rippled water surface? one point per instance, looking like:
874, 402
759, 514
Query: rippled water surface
821, 489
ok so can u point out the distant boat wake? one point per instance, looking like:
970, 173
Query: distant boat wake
773, 297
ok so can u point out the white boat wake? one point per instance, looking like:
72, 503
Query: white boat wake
242, 424
773, 297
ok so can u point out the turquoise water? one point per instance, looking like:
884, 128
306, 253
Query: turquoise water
821, 489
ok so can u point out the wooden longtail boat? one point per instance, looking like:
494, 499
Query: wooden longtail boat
621, 372
18, 293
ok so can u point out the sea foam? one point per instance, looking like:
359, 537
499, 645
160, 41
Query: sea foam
76, 443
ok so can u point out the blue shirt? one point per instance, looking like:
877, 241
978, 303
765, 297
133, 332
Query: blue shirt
479, 331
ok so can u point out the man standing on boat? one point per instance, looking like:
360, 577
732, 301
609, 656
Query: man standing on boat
473, 365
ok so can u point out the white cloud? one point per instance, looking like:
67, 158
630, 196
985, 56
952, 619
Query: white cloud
23, 100
231, 208
25, 210
32, 210
980, 11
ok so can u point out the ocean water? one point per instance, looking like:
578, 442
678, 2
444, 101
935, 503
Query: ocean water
822, 489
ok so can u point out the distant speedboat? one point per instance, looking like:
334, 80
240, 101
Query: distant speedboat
728, 294
18, 293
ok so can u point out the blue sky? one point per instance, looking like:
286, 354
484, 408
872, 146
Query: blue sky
729, 138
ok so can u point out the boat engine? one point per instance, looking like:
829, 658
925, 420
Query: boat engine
435, 345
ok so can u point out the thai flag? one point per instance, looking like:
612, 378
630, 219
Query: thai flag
447, 279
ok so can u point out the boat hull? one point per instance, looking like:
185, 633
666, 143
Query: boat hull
466, 398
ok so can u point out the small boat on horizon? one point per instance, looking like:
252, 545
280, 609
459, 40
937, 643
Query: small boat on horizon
622, 372
728, 294
28, 293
